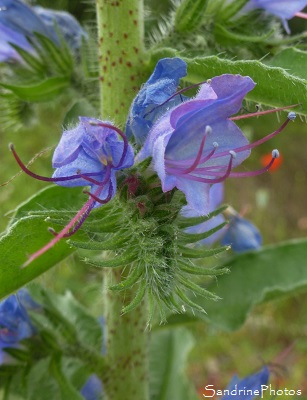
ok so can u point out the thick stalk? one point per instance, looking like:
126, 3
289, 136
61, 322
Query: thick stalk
121, 55
121, 73
127, 346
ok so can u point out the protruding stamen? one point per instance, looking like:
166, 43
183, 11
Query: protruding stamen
291, 115
301, 15
208, 130
78, 219
257, 113
40, 177
275, 154
104, 201
258, 142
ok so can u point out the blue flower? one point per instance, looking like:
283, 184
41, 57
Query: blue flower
161, 85
284, 9
250, 386
91, 154
241, 234
92, 389
195, 144
18, 22
15, 323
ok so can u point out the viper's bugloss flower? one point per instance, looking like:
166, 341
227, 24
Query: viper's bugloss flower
92, 389
196, 144
216, 195
241, 234
89, 155
284, 9
247, 388
15, 323
19, 22
161, 85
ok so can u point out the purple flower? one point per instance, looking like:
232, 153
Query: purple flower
89, 155
15, 323
250, 386
18, 22
161, 85
92, 389
241, 234
284, 9
195, 144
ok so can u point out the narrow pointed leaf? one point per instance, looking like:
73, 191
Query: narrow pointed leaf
45, 90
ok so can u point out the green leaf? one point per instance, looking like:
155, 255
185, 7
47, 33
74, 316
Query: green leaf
189, 15
45, 90
168, 356
293, 60
28, 233
275, 86
40, 385
256, 277
67, 390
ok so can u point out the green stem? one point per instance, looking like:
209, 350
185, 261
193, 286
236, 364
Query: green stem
121, 72
127, 345
121, 55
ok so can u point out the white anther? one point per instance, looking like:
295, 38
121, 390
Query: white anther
208, 130
233, 154
275, 153
215, 144
291, 115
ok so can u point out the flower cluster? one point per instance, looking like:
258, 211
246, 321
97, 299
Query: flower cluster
19, 23
194, 143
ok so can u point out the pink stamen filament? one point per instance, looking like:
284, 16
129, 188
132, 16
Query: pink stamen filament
198, 157
253, 173
301, 15
45, 178
208, 180
84, 210
254, 144
256, 114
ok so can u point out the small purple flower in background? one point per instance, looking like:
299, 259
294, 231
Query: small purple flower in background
240, 233
250, 386
92, 389
196, 144
89, 155
15, 323
19, 22
147, 107
284, 9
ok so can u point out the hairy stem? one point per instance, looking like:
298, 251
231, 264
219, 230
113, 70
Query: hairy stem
121, 55
127, 345
121, 72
